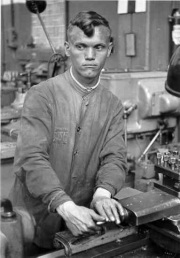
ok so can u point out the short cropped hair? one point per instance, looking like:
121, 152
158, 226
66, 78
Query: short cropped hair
87, 21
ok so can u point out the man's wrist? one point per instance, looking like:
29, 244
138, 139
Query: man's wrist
101, 192
61, 209
57, 199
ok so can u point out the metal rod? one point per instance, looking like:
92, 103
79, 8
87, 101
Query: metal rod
150, 144
147, 37
45, 31
48, 38
125, 131
12, 14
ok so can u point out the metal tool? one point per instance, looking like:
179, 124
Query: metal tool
170, 171
127, 113
150, 144
72, 244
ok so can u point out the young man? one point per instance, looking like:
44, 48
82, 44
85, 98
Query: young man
71, 158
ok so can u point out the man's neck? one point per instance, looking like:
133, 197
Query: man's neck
91, 84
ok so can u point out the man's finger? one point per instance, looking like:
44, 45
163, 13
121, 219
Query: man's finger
115, 212
121, 211
109, 212
100, 211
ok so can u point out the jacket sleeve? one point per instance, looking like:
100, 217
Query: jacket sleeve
31, 163
113, 157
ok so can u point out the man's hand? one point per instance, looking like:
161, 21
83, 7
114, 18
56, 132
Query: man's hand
107, 207
79, 219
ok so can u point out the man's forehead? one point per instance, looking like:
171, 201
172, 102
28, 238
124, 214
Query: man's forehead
100, 32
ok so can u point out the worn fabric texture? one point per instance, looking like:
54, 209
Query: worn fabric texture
70, 142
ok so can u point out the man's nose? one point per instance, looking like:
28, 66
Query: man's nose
90, 54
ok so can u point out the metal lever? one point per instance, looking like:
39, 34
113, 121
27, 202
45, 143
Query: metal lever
37, 7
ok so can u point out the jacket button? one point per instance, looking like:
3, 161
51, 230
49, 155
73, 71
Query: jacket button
86, 101
75, 152
78, 129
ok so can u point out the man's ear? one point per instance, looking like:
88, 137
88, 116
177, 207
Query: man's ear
67, 48
110, 49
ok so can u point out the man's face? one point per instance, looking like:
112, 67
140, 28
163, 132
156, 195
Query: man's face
88, 54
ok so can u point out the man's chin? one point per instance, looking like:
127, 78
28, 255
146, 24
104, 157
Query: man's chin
90, 74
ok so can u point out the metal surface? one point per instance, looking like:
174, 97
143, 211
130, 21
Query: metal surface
151, 99
171, 223
167, 190
74, 245
165, 238
168, 172
172, 183
171, 177
109, 234
136, 246
116, 247
150, 206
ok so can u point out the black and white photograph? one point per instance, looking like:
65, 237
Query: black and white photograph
90, 129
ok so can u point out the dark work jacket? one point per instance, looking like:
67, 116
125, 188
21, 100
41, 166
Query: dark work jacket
70, 143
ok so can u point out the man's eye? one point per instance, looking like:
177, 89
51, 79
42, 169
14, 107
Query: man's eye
99, 47
80, 47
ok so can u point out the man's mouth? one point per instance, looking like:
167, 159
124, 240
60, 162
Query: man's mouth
90, 65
